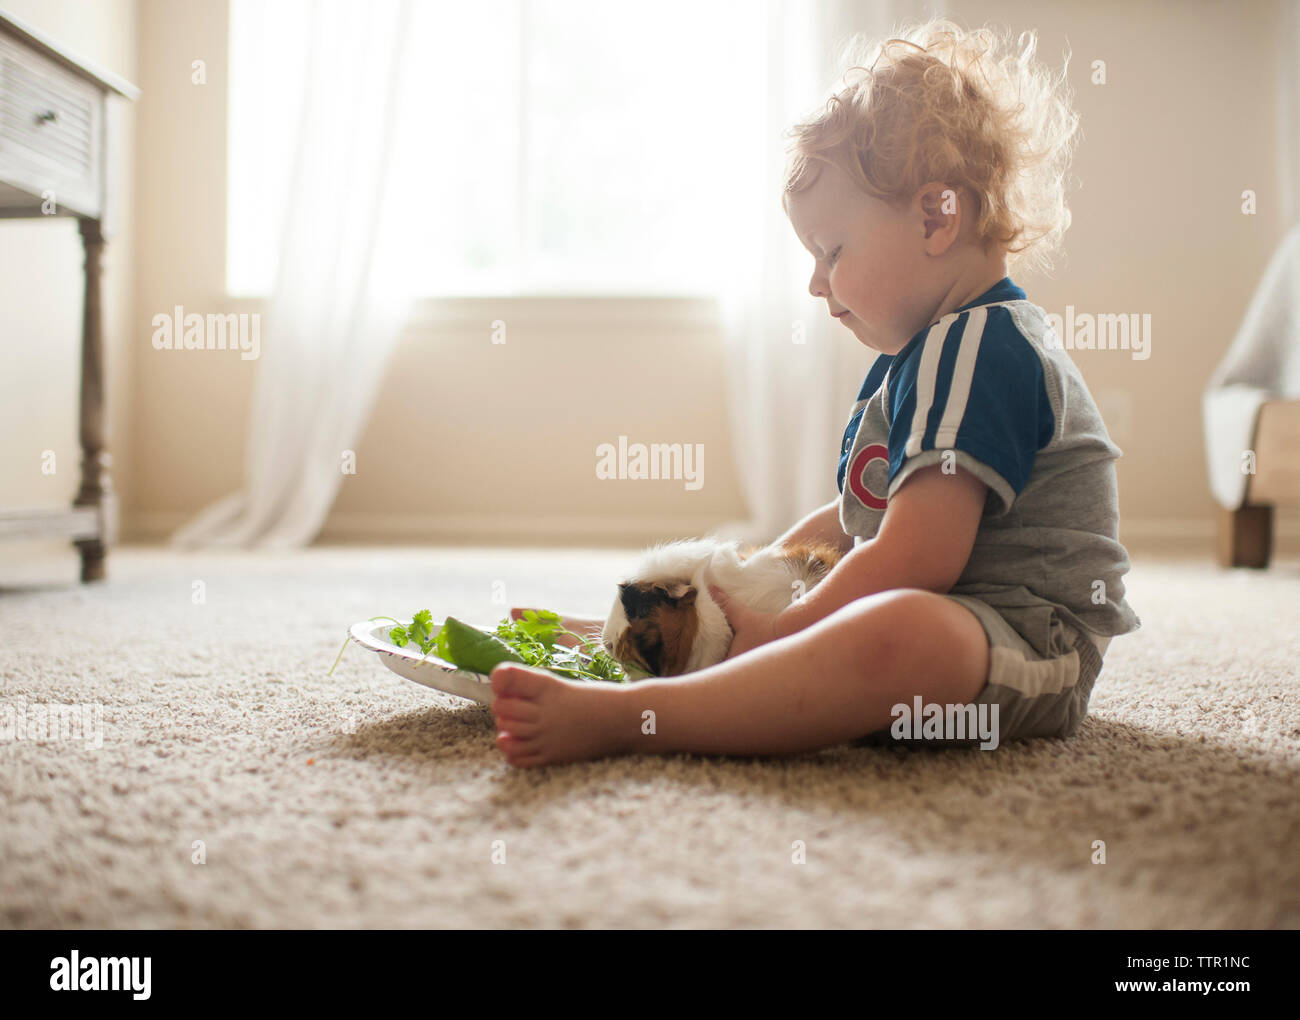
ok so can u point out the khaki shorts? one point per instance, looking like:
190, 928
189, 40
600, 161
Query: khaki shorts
1041, 675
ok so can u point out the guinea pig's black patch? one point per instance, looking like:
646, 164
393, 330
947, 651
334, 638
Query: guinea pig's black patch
640, 600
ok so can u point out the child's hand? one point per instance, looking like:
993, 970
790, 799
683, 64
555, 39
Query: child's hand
750, 629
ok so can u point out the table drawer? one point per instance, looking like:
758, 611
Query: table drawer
51, 124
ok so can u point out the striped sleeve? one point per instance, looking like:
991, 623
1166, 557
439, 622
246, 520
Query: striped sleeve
974, 385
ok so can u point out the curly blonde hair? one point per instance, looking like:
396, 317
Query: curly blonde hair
938, 103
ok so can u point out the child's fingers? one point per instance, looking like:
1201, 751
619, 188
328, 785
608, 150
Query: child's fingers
584, 625
579, 626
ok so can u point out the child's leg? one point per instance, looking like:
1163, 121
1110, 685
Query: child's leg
830, 683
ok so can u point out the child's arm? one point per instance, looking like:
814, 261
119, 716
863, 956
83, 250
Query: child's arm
823, 524
924, 542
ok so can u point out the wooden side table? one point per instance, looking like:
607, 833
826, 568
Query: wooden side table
54, 162
1246, 534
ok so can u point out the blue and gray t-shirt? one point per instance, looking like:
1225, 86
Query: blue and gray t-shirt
989, 388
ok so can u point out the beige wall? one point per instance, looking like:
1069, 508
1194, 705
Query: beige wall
1185, 123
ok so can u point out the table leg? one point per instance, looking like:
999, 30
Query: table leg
96, 485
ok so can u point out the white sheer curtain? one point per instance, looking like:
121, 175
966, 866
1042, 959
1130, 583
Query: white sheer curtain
788, 401
327, 336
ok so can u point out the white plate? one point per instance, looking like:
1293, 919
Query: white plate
423, 669
430, 670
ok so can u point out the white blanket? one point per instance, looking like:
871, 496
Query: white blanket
1262, 364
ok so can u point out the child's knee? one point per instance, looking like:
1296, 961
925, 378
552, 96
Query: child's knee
909, 632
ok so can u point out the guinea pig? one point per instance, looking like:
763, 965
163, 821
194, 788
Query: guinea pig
664, 619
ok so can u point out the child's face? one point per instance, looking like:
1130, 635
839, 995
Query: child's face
871, 261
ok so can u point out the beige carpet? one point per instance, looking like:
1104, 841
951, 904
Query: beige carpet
1187, 769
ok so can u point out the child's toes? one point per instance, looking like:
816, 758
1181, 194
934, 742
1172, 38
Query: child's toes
524, 729
513, 744
526, 755
511, 680
516, 710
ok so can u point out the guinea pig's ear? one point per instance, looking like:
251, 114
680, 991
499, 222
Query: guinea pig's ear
682, 594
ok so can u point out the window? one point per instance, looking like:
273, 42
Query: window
562, 147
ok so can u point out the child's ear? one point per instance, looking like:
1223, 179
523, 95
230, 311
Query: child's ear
938, 206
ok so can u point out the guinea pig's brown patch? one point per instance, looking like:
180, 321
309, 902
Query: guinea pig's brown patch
819, 557
661, 625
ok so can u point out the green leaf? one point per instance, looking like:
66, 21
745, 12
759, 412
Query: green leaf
471, 648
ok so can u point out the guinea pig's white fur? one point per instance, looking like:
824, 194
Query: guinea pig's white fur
665, 618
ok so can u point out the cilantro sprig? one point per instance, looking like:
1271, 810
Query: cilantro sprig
418, 630
534, 637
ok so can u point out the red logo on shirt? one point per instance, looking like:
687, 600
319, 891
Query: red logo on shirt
859, 466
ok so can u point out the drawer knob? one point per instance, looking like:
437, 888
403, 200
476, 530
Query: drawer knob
49, 116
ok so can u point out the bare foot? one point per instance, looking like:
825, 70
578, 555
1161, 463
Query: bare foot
543, 719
